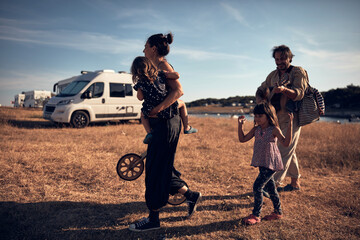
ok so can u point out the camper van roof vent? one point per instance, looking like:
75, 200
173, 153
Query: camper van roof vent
106, 71
99, 71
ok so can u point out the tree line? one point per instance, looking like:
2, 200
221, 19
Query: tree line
348, 97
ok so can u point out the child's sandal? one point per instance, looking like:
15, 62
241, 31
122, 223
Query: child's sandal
251, 220
272, 216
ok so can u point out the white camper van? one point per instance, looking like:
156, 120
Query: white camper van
19, 100
95, 97
36, 98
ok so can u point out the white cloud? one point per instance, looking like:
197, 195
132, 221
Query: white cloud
84, 41
201, 55
14, 82
305, 37
235, 14
131, 13
24, 81
346, 61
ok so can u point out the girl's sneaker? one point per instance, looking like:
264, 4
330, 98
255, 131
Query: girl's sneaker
144, 225
191, 130
272, 216
148, 138
251, 220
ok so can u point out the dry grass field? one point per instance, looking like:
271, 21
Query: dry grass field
61, 183
214, 109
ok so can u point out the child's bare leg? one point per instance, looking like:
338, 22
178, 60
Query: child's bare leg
185, 118
145, 122
183, 114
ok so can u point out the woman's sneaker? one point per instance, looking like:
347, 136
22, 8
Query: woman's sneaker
288, 188
192, 202
144, 225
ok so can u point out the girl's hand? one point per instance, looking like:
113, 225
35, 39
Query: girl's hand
242, 119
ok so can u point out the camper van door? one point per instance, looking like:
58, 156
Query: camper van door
94, 96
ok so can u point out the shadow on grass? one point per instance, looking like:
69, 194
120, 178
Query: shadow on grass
31, 124
48, 124
86, 220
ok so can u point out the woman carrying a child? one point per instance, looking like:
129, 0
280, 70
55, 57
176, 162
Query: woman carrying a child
156, 48
161, 179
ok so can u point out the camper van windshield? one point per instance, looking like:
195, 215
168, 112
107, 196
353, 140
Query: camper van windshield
73, 88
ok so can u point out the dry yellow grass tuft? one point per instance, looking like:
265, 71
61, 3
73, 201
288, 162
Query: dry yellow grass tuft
61, 183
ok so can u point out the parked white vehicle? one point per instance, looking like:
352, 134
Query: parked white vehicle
19, 100
98, 96
36, 98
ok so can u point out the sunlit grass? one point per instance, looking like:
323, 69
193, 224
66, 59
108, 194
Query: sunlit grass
61, 183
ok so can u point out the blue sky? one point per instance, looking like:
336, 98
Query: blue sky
220, 48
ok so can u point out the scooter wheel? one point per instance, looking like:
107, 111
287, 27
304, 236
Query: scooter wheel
130, 167
176, 199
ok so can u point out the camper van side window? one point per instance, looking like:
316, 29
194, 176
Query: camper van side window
117, 90
128, 90
97, 89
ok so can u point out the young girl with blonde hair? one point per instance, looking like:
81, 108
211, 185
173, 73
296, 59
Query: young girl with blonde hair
144, 75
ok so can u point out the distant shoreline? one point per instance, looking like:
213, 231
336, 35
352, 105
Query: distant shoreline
338, 113
214, 109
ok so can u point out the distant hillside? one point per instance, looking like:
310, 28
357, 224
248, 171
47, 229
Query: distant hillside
340, 98
348, 97
222, 101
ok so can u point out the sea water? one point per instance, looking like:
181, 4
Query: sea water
250, 117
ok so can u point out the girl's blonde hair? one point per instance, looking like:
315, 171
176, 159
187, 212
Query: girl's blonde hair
142, 68
267, 109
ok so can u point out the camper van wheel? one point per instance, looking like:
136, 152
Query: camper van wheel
79, 119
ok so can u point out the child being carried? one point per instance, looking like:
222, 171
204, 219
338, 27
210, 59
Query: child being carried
150, 85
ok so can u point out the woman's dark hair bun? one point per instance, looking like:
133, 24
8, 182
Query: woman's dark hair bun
169, 38
161, 42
